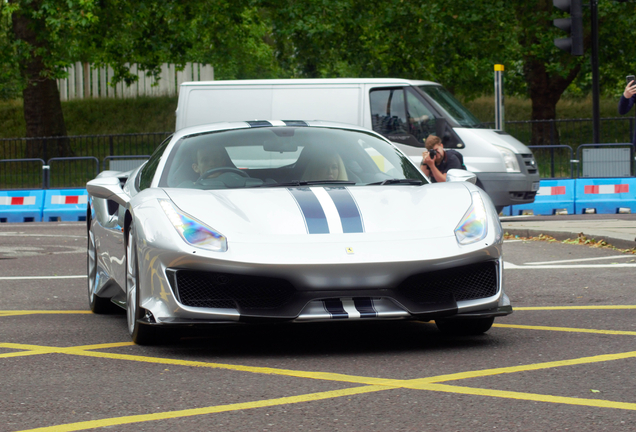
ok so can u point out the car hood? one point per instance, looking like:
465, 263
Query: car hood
319, 213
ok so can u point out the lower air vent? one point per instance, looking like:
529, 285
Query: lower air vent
469, 282
226, 290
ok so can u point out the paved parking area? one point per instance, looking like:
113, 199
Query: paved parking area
563, 361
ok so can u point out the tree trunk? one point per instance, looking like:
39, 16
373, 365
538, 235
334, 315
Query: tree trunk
545, 91
42, 107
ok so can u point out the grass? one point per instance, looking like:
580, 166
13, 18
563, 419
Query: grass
99, 116
519, 109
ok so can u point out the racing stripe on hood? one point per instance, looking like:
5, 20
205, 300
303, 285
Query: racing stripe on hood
350, 216
314, 215
328, 210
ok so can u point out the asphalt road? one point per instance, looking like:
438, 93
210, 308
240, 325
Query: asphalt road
564, 360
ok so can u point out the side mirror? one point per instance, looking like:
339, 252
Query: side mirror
107, 188
457, 175
440, 129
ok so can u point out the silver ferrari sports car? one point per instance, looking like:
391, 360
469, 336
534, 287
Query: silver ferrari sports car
290, 221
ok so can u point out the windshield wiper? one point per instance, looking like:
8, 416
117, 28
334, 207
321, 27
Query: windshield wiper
309, 182
397, 181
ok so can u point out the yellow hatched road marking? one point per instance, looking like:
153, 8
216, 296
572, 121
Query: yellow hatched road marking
369, 384
582, 307
42, 312
566, 329
209, 410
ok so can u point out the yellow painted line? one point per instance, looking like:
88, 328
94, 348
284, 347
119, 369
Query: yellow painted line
209, 410
531, 397
253, 369
42, 312
567, 329
420, 383
599, 307
28, 350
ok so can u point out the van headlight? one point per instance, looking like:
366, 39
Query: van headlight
192, 231
510, 159
474, 225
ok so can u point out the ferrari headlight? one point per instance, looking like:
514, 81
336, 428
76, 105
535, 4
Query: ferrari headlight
510, 159
474, 225
193, 231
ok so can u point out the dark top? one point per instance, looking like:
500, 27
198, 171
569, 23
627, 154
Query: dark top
451, 161
624, 105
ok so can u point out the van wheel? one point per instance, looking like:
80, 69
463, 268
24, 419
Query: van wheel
465, 327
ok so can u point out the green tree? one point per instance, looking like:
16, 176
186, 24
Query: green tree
42, 37
454, 42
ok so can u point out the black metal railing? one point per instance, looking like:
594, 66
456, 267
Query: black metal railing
570, 132
98, 146
72, 161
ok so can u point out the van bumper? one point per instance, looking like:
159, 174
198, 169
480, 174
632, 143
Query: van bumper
506, 189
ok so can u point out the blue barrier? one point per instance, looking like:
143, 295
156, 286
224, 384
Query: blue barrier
605, 196
68, 205
21, 206
553, 197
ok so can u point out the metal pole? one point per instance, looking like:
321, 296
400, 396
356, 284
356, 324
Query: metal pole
595, 85
499, 97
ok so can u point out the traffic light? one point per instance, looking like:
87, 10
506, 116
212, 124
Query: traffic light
572, 25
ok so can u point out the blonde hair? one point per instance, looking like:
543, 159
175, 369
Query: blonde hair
317, 167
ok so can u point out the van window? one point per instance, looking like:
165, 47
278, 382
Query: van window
421, 119
452, 106
392, 115
388, 113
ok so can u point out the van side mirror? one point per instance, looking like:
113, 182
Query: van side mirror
440, 129
459, 175
107, 188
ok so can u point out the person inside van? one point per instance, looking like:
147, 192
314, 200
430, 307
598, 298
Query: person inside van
325, 166
436, 161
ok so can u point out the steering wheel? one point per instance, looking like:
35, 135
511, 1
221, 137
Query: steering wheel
209, 172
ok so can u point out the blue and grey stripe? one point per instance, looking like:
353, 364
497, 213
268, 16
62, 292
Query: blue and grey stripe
346, 217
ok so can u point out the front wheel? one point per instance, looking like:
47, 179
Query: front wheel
97, 304
465, 327
141, 334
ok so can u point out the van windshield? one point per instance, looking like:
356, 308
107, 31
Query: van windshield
452, 106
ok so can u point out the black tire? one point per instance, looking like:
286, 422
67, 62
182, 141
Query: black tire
98, 305
141, 334
465, 327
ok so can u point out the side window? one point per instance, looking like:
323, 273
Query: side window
147, 173
421, 119
388, 111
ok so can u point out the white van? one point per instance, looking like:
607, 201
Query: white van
404, 111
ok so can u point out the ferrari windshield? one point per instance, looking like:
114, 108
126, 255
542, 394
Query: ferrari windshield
452, 106
285, 156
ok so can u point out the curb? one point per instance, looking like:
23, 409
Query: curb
560, 235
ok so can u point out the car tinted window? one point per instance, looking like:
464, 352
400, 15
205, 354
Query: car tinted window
270, 156
147, 172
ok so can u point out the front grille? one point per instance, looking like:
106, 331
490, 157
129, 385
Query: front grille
469, 282
530, 163
226, 290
